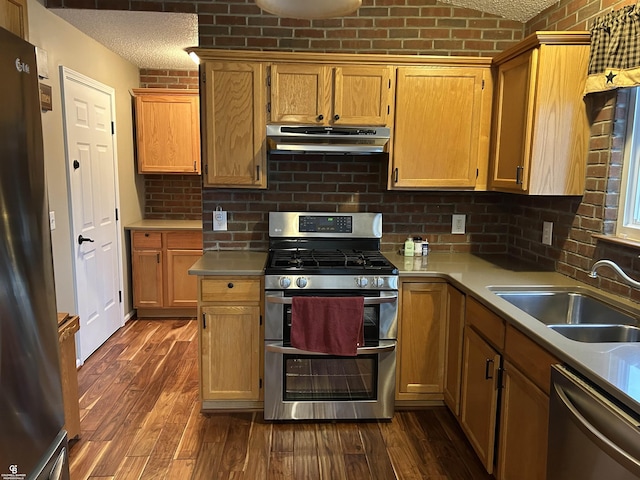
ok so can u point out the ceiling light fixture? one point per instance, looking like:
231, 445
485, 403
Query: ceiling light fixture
309, 9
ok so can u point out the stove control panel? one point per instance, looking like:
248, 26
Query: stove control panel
325, 224
331, 282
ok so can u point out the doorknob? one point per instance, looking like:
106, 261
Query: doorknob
83, 239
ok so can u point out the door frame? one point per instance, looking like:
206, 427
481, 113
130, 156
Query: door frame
67, 74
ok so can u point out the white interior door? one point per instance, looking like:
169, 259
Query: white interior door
90, 144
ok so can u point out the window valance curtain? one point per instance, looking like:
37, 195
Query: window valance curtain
615, 50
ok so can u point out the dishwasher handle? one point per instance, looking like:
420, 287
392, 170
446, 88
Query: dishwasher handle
588, 400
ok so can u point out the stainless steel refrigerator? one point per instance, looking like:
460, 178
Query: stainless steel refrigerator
33, 442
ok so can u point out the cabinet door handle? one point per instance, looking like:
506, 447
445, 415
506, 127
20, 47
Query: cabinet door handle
519, 175
488, 372
204, 321
230, 285
336, 117
320, 117
395, 175
194, 165
257, 173
157, 257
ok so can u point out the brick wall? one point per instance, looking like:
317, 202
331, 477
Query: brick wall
154, 78
342, 183
573, 14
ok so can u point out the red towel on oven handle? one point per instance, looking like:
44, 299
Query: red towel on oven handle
332, 325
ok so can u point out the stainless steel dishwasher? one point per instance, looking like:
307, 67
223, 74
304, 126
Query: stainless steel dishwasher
590, 436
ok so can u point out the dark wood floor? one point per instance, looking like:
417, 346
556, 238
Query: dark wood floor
141, 420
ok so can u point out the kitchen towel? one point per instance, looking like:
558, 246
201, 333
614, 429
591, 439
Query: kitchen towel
333, 325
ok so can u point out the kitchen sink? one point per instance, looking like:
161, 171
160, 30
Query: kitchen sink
599, 333
577, 314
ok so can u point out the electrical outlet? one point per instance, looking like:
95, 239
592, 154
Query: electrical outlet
52, 220
220, 220
457, 223
547, 233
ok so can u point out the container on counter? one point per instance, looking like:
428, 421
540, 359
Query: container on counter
409, 247
417, 246
425, 247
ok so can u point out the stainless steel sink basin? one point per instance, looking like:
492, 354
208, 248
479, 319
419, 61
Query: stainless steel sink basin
577, 314
599, 333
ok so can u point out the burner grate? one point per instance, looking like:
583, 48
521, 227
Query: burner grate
300, 259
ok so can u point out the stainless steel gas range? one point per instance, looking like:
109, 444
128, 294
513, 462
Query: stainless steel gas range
329, 255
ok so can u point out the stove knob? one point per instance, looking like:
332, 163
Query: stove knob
362, 282
379, 282
301, 282
285, 282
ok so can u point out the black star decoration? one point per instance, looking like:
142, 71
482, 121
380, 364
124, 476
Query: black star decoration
610, 76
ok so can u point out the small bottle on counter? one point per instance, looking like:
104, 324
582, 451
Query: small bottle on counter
408, 247
425, 247
417, 246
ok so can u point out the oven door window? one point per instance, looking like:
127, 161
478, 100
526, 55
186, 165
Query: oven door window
330, 378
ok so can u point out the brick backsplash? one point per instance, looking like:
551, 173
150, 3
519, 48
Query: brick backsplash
173, 197
345, 183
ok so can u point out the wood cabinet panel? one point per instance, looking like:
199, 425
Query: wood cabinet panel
147, 278
182, 240
14, 17
491, 326
441, 127
530, 357
181, 287
167, 130
421, 340
300, 93
453, 357
235, 124
362, 95
230, 352
522, 447
479, 406
146, 240
227, 289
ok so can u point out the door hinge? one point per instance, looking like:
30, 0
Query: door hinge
116, 214
204, 321
269, 107
389, 83
260, 383
203, 77
206, 169
260, 319
477, 172
483, 84
268, 80
500, 377
113, 128
388, 109
120, 296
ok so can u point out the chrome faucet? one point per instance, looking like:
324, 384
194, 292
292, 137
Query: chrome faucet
627, 279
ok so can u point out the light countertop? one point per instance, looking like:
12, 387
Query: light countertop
165, 225
615, 367
230, 262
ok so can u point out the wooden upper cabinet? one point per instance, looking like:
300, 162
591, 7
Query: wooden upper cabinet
330, 95
167, 130
234, 96
540, 126
441, 131
13, 17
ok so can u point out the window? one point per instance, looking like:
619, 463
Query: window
629, 207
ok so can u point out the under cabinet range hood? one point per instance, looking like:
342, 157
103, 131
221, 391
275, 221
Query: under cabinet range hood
319, 139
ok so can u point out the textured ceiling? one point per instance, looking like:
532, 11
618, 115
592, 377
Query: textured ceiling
158, 40
146, 39
520, 10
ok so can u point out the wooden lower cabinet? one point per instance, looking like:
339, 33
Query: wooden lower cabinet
479, 405
453, 355
522, 447
67, 328
421, 341
231, 342
160, 262
504, 371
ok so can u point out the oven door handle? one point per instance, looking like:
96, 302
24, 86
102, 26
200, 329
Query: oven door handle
367, 300
387, 347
